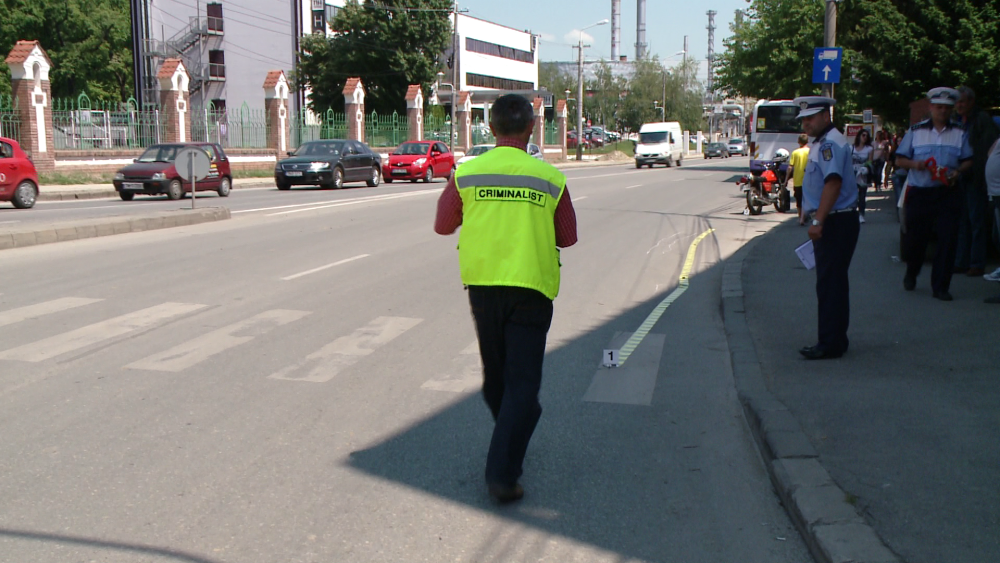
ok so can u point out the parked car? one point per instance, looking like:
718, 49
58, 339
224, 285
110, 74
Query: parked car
737, 146
571, 141
536, 151
473, 153
329, 164
716, 150
595, 136
154, 173
419, 160
18, 177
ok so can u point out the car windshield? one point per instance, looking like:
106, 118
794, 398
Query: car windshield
160, 153
413, 148
777, 119
716, 146
321, 148
653, 137
476, 151
735, 141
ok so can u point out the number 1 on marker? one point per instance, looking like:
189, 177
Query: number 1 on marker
610, 359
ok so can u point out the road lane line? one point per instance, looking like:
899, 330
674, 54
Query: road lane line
374, 199
98, 332
360, 199
324, 364
40, 309
635, 186
647, 325
603, 176
576, 199
8, 222
192, 352
465, 374
321, 268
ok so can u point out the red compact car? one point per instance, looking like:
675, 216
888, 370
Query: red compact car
18, 177
419, 160
154, 173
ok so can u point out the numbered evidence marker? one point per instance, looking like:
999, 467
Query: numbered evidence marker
632, 382
610, 358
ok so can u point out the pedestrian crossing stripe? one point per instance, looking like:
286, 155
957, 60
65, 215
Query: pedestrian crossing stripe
41, 309
465, 374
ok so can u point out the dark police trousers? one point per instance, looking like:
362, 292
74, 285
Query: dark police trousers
834, 251
512, 324
927, 208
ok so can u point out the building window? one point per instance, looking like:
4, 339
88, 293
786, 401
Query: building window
214, 12
217, 65
331, 12
484, 81
502, 51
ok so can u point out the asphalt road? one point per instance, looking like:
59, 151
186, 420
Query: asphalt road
295, 385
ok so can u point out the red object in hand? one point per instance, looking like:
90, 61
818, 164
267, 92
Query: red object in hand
939, 174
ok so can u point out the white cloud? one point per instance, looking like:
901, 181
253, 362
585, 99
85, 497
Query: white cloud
574, 36
547, 37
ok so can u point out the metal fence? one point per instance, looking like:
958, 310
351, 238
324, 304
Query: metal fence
10, 119
310, 126
436, 128
481, 134
552, 133
387, 130
241, 128
86, 124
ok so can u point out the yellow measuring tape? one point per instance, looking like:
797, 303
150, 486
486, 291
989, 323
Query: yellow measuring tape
651, 320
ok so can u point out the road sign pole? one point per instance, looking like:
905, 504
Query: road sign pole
194, 182
830, 36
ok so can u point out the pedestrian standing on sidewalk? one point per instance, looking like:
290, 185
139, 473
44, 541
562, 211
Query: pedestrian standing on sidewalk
797, 172
830, 197
973, 230
993, 188
514, 211
930, 148
862, 159
878, 158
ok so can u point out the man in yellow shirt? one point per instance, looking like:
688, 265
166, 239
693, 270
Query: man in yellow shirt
797, 171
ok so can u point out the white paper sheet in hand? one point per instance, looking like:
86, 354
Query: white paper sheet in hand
805, 254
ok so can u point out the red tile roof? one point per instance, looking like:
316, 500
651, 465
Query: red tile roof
412, 92
273, 77
168, 68
351, 85
538, 103
463, 98
22, 50
560, 106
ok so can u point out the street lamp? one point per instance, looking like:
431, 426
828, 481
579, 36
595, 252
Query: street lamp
663, 110
579, 92
451, 126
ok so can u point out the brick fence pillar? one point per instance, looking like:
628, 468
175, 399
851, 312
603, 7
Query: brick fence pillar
561, 117
276, 106
463, 117
29, 68
539, 128
698, 142
415, 112
354, 105
174, 98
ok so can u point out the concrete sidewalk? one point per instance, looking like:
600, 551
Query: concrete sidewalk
890, 453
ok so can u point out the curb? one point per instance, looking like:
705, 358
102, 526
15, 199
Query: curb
91, 228
829, 524
52, 193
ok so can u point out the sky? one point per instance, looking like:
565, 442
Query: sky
667, 22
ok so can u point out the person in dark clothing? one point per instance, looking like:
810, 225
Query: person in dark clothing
973, 230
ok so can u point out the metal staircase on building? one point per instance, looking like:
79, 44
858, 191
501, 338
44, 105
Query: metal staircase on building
184, 44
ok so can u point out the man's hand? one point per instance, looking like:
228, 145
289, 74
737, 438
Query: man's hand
815, 232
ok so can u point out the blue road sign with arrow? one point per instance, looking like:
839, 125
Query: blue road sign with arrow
826, 65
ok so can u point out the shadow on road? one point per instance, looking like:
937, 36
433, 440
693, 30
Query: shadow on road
137, 550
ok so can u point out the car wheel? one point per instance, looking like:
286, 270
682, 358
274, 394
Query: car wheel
638, 165
175, 190
283, 186
25, 195
387, 180
413, 181
376, 177
679, 161
225, 185
429, 176
338, 178
126, 196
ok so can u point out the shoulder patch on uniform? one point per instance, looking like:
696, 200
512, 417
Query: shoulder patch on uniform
827, 151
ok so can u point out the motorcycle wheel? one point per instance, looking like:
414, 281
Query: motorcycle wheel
784, 202
753, 204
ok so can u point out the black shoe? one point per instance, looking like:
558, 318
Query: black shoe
909, 283
506, 493
994, 300
819, 353
943, 296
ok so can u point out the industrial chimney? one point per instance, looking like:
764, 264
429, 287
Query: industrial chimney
640, 30
616, 27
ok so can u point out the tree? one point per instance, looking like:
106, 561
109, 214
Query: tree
557, 81
88, 41
649, 83
388, 46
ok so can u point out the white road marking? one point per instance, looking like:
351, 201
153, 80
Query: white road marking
324, 364
635, 186
192, 352
605, 175
98, 332
465, 374
40, 309
355, 202
632, 383
321, 268
8, 222
334, 201
576, 199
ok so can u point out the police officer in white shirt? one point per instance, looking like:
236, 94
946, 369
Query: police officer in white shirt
831, 202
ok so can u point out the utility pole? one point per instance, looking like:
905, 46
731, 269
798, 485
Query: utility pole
454, 80
830, 36
579, 99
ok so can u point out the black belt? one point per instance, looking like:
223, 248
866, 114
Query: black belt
836, 211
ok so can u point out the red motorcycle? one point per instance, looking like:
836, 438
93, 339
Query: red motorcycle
769, 188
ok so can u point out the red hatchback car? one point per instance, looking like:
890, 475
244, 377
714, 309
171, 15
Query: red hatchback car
419, 160
154, 173
18, 177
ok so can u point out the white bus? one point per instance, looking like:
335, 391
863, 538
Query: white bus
773, 127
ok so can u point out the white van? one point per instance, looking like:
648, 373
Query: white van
659, 143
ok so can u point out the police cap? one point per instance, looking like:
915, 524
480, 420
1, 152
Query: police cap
943, 95
811, 105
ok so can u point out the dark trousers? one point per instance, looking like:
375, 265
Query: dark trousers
862, 198
512, 324
834, 251
973, 228
927, 209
